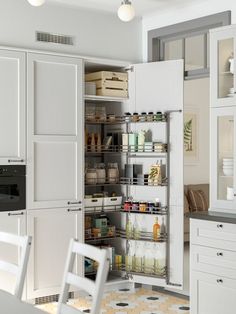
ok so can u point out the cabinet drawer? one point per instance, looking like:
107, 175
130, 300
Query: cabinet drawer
214, 261
213, 234
212, 294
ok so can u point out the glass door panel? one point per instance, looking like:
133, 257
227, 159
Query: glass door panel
226, 68
225, 161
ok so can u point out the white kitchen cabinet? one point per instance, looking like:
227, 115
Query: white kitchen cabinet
223, 153
222, 74
55, 131
51, 231
11, 222
12, 107
212, 267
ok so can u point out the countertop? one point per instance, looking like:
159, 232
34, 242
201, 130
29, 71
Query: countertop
213, 216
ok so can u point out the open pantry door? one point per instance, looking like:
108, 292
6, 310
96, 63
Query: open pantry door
155, 87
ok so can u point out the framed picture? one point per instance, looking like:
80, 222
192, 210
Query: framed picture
191, 136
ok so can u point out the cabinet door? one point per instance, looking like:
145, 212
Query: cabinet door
51, 231
12, 222
222, 74
12, 107
158, 86
222, 159
55, 131
212, 294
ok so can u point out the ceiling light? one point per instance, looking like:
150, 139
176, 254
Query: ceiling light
36, 3
126, 11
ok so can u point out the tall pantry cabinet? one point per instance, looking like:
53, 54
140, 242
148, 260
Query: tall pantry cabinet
55, 167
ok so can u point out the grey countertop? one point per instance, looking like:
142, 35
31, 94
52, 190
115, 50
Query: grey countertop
213, 216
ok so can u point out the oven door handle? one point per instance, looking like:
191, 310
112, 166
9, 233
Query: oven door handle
16, 214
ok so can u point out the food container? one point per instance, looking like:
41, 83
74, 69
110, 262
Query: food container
111, 203
143, 117
158, 116
127, 116
150, 116
96, 232
93, 204
135, 117
101, 173
148, 146
128, 205
151, 206
142, 206
113, 173
88, 222
111, 118
111, 231
91, 176
135, 206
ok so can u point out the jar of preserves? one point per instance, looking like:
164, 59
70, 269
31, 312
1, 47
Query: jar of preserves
142, 206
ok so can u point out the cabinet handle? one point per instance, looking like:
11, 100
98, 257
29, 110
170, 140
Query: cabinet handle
16, 214
15, 160
74, 209
220, 226
219, 281
219, 254
74, 203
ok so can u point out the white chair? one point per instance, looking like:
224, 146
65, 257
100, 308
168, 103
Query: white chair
23, 242
95, 289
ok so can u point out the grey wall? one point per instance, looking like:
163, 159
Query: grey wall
97, 34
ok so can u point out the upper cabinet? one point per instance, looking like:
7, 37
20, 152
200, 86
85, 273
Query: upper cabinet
222, 74
55, 131
12, 107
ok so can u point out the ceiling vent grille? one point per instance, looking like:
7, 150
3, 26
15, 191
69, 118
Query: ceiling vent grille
54, 38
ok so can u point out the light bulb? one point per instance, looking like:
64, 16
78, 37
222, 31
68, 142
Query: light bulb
126, 11
36, 3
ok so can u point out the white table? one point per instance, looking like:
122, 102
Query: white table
11, 305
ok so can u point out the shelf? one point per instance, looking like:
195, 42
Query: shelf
88, 240
144, 236
119, 209
104, 98
130, 150
124, 120
226, 73
130, 181
159, 211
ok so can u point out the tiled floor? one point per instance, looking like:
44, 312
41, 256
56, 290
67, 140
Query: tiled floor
135, 301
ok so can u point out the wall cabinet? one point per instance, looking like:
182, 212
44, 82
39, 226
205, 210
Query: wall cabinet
223, 152
12, 222
55, 131
12, 107
212, 266
51, 230
222, 75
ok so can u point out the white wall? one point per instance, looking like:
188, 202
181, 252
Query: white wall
196, 98
183, 11
97, 34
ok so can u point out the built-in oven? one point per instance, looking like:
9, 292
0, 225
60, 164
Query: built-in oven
12, 188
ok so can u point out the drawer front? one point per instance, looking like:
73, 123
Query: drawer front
214, 261
211, 294
213, 234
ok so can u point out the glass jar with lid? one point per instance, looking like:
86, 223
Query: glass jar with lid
113, 172
101, 173
91, 176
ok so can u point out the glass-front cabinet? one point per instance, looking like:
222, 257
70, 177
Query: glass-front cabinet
222, 72
222, 161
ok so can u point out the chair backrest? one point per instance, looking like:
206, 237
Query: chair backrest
22, 242
94, 288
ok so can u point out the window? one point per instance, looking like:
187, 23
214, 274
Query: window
188, 41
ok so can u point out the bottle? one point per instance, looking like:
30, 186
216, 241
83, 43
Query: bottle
157, 260
129, 228
163, 227
129, 259
148, 259
93, 143
99, 143
138, 258
137, 229
156, 230
141, 140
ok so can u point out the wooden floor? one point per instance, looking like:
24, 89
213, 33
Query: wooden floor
127, 301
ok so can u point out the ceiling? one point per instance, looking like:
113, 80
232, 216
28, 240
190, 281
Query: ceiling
141, 6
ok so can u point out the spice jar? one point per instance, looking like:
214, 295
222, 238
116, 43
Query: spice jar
111, 118
128, 205
91, 176
150, 116
143, 117
142, 206
135, 117
135, 206
151, 206
127, 116
158, 116
101, 173
113, 173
